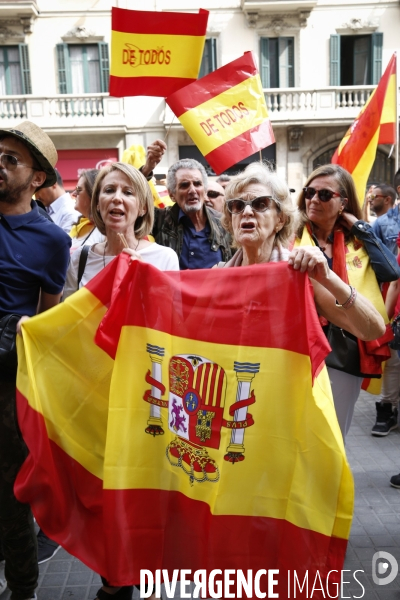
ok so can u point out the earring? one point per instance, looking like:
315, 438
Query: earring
340, 211
277, 228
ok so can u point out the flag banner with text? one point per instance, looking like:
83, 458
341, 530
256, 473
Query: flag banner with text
155, 53
225, 113
376, 124
202, 435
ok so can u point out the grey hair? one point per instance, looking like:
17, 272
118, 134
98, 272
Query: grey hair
262, 174
185, 163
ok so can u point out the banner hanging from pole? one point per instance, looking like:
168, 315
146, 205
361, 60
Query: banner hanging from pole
155, 53
376, 124
225, 113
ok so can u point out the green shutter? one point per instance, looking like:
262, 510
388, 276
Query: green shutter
209, 58
286, 62
376, 57
335, 60
264, 61
25, 69
213, 54
64, 70
104, 66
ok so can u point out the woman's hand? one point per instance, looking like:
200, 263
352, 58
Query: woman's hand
310, 259
347, 220
133, 254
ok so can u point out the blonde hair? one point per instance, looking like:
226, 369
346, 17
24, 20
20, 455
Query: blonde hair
144, 224
261, 173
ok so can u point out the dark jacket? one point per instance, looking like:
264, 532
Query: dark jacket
382, 260
168, 231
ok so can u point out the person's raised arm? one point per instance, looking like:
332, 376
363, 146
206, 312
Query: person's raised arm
155, 152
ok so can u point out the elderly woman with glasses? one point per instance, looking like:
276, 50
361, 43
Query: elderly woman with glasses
260, 216
330, 220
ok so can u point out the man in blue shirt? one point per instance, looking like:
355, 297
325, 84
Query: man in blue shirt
189, 227
387, 227
34, 256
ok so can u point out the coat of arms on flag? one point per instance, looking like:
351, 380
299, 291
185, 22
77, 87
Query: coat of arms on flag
197, 397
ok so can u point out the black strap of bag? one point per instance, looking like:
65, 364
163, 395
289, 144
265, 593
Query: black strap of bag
8, 346
82, 263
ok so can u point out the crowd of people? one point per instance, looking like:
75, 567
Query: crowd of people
49, 248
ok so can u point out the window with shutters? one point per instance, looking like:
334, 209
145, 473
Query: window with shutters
14, 70
277, 62
209, 60
356, 59
83, 69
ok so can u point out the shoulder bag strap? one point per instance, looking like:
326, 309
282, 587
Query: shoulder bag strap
82, 263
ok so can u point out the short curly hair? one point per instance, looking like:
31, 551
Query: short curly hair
143, 225
261, 173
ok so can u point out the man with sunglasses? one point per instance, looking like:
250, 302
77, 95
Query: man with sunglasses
34, 256
190, 227
387, 225
381, 199
215, 196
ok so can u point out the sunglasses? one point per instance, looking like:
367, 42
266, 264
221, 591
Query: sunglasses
213, 194
10, 162
373, 196
323, 195
261, 204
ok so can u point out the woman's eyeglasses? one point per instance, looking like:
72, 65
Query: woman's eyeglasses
323, 195
261, 204
10, 162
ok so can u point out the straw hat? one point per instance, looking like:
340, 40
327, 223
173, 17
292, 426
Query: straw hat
40, 145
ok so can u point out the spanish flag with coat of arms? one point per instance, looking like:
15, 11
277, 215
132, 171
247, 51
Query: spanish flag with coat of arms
184, 420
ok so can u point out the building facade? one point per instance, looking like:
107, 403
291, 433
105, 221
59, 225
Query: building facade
319, 61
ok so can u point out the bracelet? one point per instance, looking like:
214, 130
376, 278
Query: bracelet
350, 300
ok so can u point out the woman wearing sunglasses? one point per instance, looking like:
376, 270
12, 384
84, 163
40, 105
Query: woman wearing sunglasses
330, 219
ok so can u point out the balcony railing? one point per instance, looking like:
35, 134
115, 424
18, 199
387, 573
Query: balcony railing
63, 110
330, 103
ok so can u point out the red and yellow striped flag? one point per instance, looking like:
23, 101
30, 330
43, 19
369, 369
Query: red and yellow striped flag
210, 446
376, 124
225, 113
155, 53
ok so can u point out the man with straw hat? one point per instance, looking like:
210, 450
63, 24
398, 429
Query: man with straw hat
34, 255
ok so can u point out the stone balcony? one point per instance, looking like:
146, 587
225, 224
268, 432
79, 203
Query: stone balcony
65, 113
303, 106
69, 113
323, 106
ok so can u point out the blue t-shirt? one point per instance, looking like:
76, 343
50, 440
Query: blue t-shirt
34, 256
196, 250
